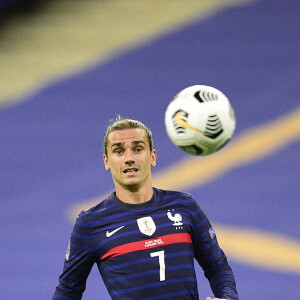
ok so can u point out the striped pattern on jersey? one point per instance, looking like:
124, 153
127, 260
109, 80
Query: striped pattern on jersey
146, 251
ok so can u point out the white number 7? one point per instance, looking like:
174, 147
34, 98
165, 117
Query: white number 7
161, 260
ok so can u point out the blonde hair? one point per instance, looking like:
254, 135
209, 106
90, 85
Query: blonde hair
119, 124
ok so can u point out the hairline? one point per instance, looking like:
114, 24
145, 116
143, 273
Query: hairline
122, 124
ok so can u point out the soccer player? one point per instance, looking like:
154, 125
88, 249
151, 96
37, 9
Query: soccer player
143, 239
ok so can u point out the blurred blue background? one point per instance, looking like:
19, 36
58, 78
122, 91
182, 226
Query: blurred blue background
51, 136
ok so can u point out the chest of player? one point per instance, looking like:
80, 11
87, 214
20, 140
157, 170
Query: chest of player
141, 231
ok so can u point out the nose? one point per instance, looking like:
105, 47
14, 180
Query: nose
129, 158
129, 162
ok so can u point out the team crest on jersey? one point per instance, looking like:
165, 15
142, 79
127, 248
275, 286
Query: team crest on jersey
176, 218
146, 225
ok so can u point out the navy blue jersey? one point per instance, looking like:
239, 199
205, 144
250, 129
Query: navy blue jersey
146, 251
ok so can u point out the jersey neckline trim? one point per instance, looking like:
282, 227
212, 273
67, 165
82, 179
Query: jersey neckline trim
129, 206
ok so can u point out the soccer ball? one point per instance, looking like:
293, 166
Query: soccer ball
200, 120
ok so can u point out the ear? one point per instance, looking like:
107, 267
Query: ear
153, 158
106, 164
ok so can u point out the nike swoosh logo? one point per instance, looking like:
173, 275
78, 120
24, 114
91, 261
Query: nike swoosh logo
183, 123
110, 233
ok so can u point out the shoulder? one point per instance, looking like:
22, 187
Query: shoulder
168, 195
171, 193
96, 212
184, 198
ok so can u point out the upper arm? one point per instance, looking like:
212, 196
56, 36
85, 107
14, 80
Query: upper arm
78, 263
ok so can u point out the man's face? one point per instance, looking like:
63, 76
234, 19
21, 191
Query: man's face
129, 158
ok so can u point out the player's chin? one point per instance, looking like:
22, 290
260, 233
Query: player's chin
132, 185
133, 181
130, 180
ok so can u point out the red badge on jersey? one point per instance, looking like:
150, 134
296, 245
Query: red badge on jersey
212, 232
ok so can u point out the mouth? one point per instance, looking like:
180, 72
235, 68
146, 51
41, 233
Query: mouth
130, 170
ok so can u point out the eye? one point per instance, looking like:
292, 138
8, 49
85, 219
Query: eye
118, 151
139, 149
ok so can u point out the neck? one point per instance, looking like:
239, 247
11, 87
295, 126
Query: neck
134, 195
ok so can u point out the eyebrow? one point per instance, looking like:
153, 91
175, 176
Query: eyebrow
122, 144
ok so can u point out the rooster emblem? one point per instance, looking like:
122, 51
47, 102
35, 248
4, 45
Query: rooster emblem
177, 218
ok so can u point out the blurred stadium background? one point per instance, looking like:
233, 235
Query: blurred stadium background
68, 67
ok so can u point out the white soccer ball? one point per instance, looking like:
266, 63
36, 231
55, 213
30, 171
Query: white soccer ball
200, 120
